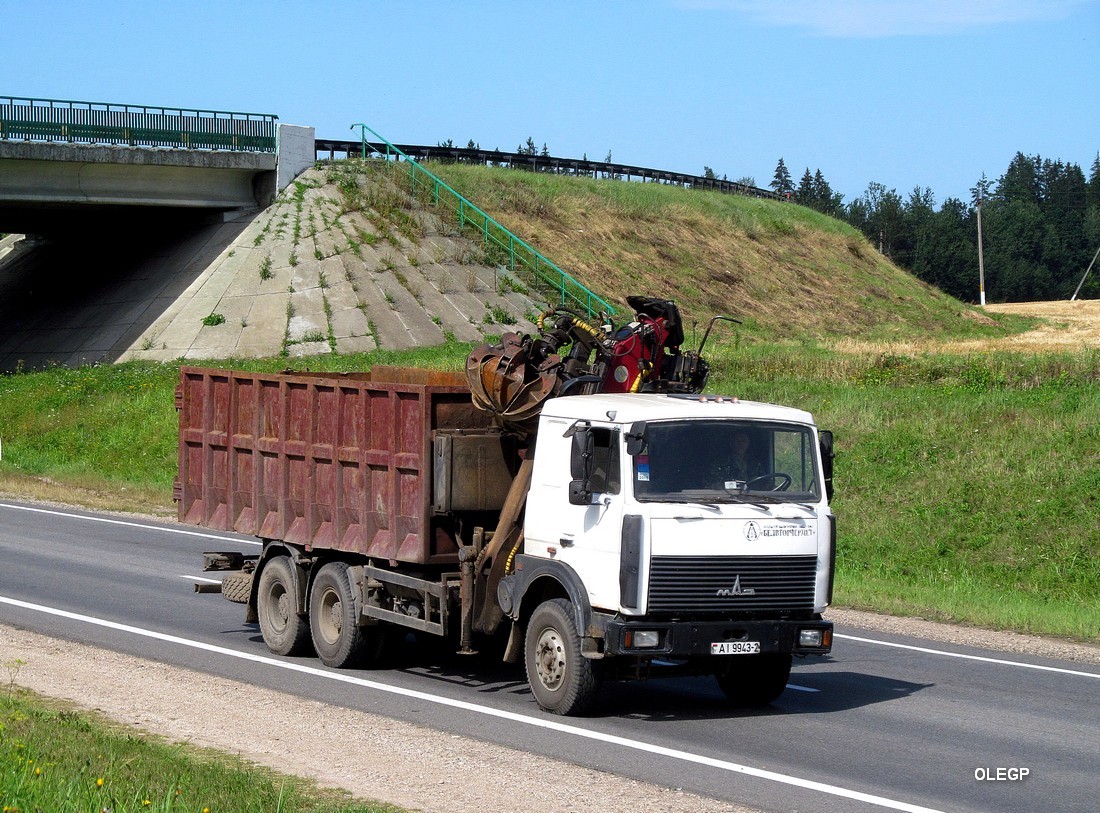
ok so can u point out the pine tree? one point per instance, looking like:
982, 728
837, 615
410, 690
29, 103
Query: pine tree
781, 182
979, 192
823, 198
1094, 182
805, 192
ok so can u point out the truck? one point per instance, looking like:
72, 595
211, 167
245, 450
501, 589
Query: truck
595, 526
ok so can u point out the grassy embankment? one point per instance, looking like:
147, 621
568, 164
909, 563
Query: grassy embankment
788, 272
967, 487
53, 758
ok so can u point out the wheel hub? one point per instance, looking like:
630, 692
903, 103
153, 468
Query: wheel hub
332, 618
282, 610
550, 659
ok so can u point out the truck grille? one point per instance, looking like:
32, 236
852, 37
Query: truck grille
708, 584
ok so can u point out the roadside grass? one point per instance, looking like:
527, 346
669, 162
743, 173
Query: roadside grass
967, 486
55, 758
101, 430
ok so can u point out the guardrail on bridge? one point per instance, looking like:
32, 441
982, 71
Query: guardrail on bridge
135, 125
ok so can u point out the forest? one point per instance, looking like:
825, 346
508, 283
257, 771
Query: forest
1040, 224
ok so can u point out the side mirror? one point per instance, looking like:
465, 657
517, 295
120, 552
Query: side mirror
825, 439
580, 467
635, 438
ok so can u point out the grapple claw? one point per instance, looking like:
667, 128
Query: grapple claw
506, 383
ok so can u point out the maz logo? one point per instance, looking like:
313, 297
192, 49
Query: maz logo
736, 590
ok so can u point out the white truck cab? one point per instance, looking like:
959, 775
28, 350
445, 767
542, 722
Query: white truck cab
686, 530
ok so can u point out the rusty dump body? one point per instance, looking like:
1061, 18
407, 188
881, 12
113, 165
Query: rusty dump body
341, 462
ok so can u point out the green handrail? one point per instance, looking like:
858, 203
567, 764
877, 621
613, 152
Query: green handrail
571, 292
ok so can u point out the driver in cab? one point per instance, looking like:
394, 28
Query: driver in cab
739, 464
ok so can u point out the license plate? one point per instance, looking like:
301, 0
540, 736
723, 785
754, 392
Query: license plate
735, 648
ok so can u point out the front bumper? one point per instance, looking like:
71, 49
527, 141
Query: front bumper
686, 639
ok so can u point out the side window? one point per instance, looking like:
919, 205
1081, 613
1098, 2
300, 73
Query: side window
605, 461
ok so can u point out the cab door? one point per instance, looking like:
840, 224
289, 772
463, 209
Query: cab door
586, 536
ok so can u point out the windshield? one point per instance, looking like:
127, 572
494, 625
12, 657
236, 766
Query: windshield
726, 461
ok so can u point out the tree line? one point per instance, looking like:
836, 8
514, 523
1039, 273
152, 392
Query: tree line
1040, 228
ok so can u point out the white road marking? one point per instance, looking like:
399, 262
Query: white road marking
128, 524
200, 579
798, 688
536, 722
982, 658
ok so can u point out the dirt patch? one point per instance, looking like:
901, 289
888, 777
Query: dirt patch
1067, 326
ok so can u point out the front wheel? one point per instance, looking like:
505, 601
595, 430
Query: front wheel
752, 681
562, 680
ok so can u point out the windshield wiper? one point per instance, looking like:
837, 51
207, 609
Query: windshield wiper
746, 497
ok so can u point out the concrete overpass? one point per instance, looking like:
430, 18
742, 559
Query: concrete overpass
128, 207
62, 162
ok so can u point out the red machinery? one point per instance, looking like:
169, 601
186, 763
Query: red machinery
511, 380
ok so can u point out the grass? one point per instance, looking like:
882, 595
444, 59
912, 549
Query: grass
53, 758
787, 271
967, 486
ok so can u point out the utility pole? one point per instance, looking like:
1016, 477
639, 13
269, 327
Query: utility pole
1082, 282
981, 256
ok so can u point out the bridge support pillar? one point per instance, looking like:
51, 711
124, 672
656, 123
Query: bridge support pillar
296, 151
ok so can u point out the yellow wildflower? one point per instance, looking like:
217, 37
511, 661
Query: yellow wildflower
99, 782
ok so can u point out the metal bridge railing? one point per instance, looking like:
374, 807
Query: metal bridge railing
550, 163
518, 253
135, 125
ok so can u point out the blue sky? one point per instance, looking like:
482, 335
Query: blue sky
901, 93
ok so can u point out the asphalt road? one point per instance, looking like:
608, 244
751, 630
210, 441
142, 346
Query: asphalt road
884, 723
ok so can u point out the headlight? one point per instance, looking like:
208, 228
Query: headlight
641, 639
809, 638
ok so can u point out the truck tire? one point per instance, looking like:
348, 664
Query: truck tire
237, 587
562, 680
285, 632
337, 638
755, 680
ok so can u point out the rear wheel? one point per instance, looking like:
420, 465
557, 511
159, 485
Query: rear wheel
338, 638
755, 680
332, 618
285, 632
562, 680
